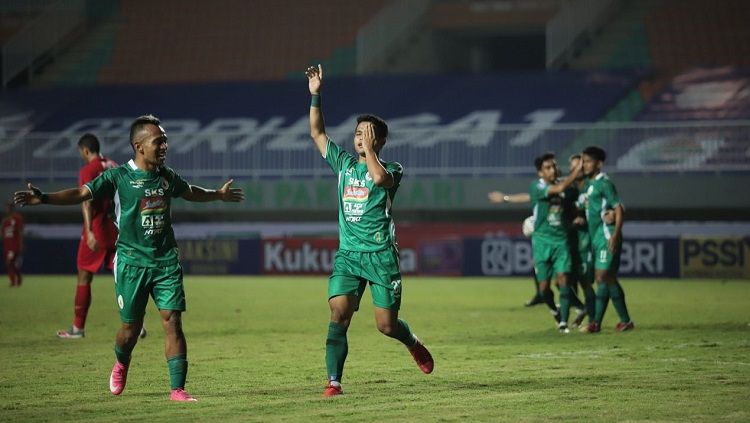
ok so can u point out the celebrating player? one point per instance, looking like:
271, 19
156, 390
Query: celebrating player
550, 238
368, 251
97, 244
146, 262
13, 244
606, 239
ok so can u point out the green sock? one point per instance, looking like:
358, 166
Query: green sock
178, 368
549, 299
590, 297
404, 334
122, 355
564, 304
336, 350
574, 300
618, 300
602, 299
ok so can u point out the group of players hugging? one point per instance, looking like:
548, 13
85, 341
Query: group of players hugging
576, 237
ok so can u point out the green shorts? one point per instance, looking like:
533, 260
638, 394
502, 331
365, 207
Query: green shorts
353, 270
550, 258
134, 284
605, 259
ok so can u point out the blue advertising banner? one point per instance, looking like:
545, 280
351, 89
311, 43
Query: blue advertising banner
501, 256
207, 256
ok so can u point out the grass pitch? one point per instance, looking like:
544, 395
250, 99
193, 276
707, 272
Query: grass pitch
256, 348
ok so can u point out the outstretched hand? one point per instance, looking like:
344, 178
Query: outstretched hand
496, 197
230, 194
32, 197
314, 78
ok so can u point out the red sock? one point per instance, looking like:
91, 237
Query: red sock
82, 303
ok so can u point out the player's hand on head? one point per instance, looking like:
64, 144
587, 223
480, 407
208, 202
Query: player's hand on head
496, 197
228, 193
314, 78
31, 197
368, 136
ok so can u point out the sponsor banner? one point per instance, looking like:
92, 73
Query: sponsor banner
220, 256
502, 256
207, 256
314, 256
715, 257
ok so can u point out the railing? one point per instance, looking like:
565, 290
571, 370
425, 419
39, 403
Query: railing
39, 36
637, 147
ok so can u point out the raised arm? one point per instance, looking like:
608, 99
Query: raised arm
225, 193
35, 196
568, 181
317, 125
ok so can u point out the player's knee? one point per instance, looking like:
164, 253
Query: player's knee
173, 324
386, 328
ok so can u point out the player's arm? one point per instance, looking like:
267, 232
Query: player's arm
87, 212
614, 241
317, 125
35, 196
568, 181
500, 197
225, 193
379, 175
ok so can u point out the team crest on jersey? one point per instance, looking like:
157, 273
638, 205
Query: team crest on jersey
164, 182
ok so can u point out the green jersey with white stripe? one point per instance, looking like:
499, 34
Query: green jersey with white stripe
143, 215
365, 221
550, 220
601, 195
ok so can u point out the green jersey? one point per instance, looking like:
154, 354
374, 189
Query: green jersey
550, 220
142, 212
601, 196
581, 232
365, 222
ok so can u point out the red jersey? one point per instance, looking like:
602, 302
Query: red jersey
102, 224
12, 232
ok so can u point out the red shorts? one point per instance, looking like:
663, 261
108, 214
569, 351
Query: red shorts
91, 261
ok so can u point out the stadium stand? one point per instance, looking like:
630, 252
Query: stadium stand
161, 42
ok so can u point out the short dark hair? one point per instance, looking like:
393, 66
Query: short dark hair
576, 156
89, 141
595, 152
139, 123
379, 125
539, 161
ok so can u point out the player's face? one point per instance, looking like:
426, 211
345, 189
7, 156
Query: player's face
359, 136
82, 153
573, 165
153, 145
590, 165
548, 171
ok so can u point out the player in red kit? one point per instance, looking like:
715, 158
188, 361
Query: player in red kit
13, 244
97, 245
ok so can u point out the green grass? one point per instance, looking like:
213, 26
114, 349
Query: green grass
256, 348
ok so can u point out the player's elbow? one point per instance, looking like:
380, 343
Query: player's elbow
384, 181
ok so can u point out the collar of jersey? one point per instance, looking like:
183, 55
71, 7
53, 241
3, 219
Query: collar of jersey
132, 165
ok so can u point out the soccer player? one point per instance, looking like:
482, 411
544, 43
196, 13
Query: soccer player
580, 245
549, 241
13, 244
368, 251
97, 244
146, 262
606, 239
